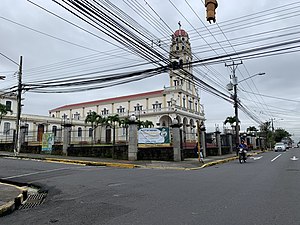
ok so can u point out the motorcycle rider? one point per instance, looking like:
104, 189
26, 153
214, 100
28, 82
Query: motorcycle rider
243, 146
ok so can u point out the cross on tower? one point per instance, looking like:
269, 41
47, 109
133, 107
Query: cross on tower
179, 23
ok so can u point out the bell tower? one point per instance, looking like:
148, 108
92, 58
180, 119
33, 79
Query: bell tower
180, 58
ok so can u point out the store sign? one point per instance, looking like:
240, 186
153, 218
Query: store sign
154, 136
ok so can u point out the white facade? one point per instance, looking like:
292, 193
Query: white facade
180, 100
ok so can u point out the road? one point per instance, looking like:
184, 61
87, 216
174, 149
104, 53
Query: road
265, 191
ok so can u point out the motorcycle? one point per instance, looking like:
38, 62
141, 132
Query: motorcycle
242, 155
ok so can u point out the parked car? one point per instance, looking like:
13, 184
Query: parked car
280, 146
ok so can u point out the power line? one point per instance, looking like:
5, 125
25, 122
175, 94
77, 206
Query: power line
9, 59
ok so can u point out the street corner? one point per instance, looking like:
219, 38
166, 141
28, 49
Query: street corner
12, 197
216, 162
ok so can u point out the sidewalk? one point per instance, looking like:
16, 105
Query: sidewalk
187, 164
12, 196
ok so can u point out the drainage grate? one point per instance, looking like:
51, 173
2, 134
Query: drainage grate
33, 200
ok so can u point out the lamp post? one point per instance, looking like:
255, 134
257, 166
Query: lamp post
257, 74
233, 86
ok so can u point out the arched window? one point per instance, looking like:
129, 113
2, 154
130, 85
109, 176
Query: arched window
6, 130
8, 105
90, 132
79, 132
26, 128
54, 130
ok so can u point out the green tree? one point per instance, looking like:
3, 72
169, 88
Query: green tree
265, 131
113, 120
231, 120
280, 134
3, 111
147, 124
95, 120
125, 124
100, 122
252, 129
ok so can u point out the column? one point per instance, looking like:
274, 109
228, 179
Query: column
133, 139
147, 105
229, 136
218, 141
203, 141
180, 99
176, 140
66, 138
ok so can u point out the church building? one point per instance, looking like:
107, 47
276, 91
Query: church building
180, 100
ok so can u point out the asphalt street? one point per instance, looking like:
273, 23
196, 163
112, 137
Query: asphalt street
265, 190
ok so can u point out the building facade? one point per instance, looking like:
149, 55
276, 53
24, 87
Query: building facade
180, 100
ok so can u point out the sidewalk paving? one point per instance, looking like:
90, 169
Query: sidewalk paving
186, 164
12, 196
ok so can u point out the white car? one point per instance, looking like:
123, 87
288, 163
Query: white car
280, 146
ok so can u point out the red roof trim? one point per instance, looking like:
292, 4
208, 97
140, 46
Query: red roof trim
96, 102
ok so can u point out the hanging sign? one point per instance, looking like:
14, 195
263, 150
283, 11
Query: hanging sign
154, 135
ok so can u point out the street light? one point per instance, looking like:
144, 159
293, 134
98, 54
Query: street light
233, 86
258, 74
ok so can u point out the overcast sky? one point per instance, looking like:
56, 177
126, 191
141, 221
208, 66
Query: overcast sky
53, 48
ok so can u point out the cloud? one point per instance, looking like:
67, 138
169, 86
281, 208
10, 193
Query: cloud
282, 71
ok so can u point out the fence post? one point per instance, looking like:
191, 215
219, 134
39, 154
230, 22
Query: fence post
230, 143
132, 139
66, 138
176, 140
22, 136
203, 139
218, 140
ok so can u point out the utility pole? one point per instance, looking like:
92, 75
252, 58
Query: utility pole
19, 107
233, 66
272, 119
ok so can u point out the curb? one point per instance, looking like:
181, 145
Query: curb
80, 162
91, 163
12, 205
128, 165
221, 161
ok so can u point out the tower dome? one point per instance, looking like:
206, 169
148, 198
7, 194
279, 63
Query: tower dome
180, 33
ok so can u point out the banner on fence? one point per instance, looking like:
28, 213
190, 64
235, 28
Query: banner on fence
154, 136
47, 142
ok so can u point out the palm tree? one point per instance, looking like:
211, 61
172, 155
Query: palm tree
252, 129
125, 123
3, 111
100, 122
94, 119
147, 124
265, 129
112, 120
231, 120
